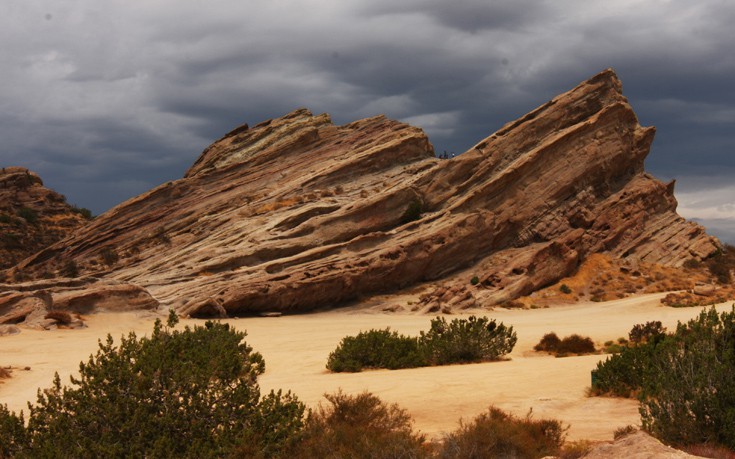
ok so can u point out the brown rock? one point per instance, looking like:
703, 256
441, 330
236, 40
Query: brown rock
32, 216
636, 446
297, 213
30, 302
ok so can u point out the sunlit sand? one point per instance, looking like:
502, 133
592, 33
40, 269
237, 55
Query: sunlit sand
296, 349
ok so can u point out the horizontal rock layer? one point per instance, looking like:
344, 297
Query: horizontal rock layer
297, 213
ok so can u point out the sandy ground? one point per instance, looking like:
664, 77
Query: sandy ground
296, 349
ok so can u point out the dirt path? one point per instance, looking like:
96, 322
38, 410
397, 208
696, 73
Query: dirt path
296, 348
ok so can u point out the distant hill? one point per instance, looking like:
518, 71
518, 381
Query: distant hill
32, 216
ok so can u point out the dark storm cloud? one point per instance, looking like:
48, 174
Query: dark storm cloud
107, 99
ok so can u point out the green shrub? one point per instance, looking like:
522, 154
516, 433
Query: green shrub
722, 264
13, 435
498, 434
687, 394
463, 340
28, 214
5, 218
190, 393
413, 212
466, 340
376, 349
564, 288
475, 280
683, 380
359, 426
642, 333
84, 212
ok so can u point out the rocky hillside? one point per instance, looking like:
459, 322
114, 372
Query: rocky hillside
297, 213
32, 216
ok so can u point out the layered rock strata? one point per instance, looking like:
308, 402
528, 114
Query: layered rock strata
32, 216
297, 213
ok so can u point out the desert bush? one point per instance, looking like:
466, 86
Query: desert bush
564, 288
69, 269
376, 349
641, 333
190, 393
572, 344
683, 380
83, 211
466, 340
460, 341
499, 434
549, 343
624, 431
28, 214
109, 256
359, 426
62, 317
475, 280
687, 394
413, 212
13, 435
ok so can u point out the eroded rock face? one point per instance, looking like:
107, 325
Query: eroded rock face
297, 213
29, 302
31, 216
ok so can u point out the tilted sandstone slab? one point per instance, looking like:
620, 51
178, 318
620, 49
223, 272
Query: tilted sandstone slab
297, 213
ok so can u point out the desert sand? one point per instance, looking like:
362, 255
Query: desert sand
295, 349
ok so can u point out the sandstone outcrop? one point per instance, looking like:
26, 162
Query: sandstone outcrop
31, 216
30, 302
297, 213
639, 445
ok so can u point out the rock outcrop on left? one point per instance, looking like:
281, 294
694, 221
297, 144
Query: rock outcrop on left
297, 213
32, 216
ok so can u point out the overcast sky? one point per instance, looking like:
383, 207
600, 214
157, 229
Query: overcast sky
107, 99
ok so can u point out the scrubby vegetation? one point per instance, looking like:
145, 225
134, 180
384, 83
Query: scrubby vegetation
376, 349
499, 434
722, 264
683, 379
459, 341
466, 340
413, 212
572, 344
190, 393
193, 393
359, 426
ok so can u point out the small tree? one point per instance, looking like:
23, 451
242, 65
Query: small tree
176, 393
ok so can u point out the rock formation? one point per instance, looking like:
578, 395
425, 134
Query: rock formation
31, 216
30, 302
297, 213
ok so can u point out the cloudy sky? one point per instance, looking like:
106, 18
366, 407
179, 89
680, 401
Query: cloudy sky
106, 99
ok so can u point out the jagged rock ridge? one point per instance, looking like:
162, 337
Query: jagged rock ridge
32, 216
297, 213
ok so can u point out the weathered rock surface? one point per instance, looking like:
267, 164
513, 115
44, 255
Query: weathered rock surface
31, 216
297, 213
30, 302
636, 446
